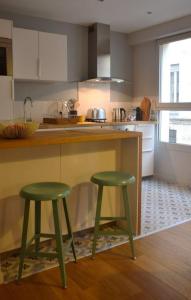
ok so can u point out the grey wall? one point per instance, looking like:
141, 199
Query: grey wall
162, 30
145, 68
121, 67
77, 40
121, 56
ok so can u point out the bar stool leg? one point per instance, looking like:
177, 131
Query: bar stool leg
59, 242
24, 237
98, 213
128, 216
37, 225
69, 228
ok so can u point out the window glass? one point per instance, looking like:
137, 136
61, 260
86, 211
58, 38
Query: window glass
175, 71
174, 83
175, 127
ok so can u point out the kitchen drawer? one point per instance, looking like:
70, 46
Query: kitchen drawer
148, 144
147, 163
147, 130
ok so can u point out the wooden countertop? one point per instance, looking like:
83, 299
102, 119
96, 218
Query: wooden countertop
94, 124
64, 136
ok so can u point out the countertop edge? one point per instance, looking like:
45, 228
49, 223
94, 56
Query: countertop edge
95, 124
63, 137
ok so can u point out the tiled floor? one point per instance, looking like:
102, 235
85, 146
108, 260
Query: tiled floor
163, 205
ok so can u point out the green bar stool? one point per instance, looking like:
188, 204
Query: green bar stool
46, 191
113, 178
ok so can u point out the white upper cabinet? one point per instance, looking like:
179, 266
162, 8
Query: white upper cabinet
39, 55
52, 56
25, 53
6, 28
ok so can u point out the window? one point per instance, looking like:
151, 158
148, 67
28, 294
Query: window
175, 127
175, 90
174, 83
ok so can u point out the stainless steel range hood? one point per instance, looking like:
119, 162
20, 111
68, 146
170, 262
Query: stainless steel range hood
99, 54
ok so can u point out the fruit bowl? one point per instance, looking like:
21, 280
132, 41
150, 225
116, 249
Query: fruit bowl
17, 130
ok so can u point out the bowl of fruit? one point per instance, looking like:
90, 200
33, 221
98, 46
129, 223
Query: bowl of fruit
17, 129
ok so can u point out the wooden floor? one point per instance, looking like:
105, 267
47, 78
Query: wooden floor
162, 271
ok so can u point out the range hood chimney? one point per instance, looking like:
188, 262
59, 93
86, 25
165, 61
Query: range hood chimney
99, 54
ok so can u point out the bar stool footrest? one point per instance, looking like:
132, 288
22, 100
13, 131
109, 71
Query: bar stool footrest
67, 244
45, 235
112, 218
41, 254
116, 232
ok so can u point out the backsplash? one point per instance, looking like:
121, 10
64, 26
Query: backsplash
46, 96
99, 95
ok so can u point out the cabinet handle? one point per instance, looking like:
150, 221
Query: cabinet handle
12, 90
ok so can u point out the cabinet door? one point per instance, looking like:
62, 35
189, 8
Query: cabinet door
147, 163
25, 53
53, 56
6, 95
147, 130
6, 29
147, 149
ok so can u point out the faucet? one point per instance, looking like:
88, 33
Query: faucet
25, 111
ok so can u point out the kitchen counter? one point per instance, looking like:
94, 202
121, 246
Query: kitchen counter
63, 137
71, 157
94, 124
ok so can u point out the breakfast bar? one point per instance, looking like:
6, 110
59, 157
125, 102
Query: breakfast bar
72, 157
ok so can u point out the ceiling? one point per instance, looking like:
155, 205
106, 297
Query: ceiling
122, 15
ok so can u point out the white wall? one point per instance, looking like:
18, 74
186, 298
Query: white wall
173, 163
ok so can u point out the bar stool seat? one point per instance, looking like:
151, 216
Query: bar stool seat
120, 179
46, 191
113, 178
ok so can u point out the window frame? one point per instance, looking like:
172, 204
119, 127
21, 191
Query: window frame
170, 106
174, 83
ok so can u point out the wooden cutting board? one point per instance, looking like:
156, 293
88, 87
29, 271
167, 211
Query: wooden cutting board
73, 120
146, 109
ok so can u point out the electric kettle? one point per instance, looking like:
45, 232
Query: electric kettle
96, 114
119, 114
